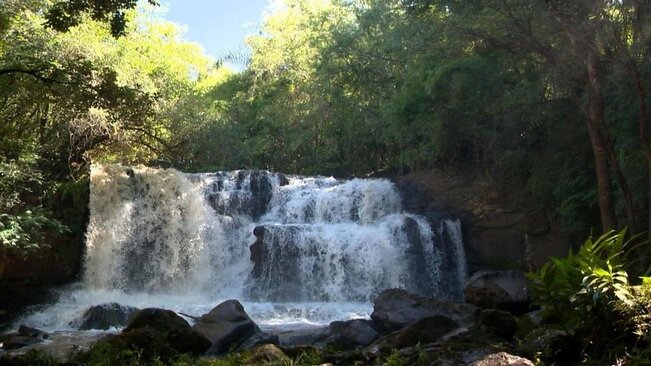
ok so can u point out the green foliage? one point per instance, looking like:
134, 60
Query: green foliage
590, 295
35, 358
23, 225
570, 288
64, 15
70, 98
394, 359
335, 87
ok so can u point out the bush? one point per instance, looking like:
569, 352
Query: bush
590, 295
24, 222
567, 288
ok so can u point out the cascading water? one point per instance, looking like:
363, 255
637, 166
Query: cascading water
292, 248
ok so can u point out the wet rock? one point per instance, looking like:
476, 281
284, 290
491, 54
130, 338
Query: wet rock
498, 322
265, 354
262, 191
15, 341
166, 327
227, 325
396, 308
158, 319
187, 340
276, 263
259, 338
350, 334
506, 290
502, 359
252, 194
298, 338
105, 316
426, 330
26, 336
25, 331
420, 280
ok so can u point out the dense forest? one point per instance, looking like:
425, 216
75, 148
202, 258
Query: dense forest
549, 95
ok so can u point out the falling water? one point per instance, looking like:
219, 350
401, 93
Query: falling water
292, 248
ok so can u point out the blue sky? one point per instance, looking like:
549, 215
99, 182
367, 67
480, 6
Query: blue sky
220, 26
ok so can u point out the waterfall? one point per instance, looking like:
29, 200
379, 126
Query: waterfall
159, 237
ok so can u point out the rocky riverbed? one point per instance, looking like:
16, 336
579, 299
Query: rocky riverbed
494, 326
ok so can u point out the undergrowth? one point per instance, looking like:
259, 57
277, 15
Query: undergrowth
591, 295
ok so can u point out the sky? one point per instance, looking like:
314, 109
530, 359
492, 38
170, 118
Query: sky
220, 26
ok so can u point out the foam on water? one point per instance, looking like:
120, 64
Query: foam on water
161, 238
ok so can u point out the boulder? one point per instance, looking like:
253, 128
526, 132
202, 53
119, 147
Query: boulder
15, 341
551, 346
426, 330
259, 338
158, 319
228, 326
164, 327
396, 308
506, 290
26, 336
498, 322
187, 340
350, 334
502, 359
265, 354
105, 316
303, 337
25, 331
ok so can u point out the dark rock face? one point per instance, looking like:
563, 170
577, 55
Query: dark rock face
106, 316
498, 322
505, 290
276, 260
396, 308
501, 229
255, 190
421, 281
228, 325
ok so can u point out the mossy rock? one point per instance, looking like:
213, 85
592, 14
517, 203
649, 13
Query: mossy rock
265, 354
135, 347
498, 322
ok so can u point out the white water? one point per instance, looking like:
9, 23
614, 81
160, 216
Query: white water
161, 238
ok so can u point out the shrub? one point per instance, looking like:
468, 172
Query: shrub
590, 295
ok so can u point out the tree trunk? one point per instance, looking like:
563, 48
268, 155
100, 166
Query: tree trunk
604, 194
595, 121
643, 125
622, 182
